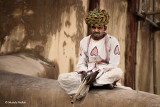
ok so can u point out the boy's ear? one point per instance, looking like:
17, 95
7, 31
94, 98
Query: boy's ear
105, 27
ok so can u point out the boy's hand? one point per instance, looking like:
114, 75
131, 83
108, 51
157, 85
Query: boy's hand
84, 74
91, 78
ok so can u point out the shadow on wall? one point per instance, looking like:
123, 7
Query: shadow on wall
71, 65
37, 20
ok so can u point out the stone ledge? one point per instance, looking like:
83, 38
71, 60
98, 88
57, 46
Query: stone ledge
30, 91
28, 64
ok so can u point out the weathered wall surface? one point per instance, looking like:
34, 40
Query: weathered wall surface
144, 54
157, 51
117, 10
130, 44
147, 52
157, 62
50, 28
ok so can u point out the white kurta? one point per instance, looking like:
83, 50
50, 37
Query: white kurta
102, 55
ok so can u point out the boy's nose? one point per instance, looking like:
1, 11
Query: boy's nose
96, 29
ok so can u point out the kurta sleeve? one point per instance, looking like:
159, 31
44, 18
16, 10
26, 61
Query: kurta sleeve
82, 63
114, 53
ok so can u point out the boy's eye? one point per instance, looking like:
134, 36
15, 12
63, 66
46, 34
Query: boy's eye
93, 27
99, 27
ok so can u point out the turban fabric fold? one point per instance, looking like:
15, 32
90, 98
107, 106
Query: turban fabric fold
97, 17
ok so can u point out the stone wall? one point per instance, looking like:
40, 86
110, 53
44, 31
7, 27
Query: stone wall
48, 28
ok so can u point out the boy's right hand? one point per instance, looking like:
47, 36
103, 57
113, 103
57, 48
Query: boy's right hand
84, 74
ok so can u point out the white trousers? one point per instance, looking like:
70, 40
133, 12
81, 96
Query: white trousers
71, 81
109, 77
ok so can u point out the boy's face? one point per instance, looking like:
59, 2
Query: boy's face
97, 32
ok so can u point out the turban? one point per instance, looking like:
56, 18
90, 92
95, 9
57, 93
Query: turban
97, 17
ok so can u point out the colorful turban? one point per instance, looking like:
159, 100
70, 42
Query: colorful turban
97, 17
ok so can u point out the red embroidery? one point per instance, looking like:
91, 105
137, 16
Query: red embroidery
116, 50
107, 69
94, 51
